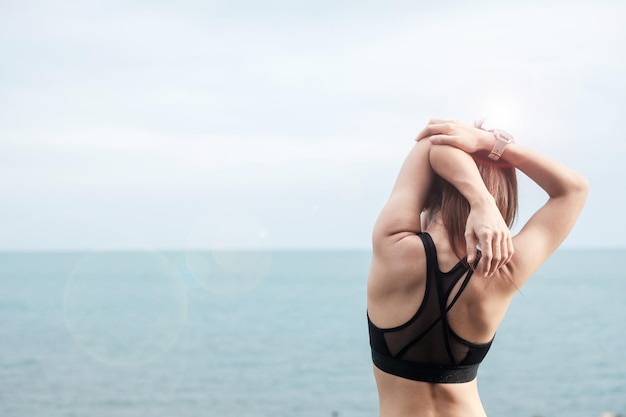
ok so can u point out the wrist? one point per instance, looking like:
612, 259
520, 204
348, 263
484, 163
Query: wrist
503, 139
486, 140
481, 200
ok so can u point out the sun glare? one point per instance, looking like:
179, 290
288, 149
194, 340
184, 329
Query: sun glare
502, 112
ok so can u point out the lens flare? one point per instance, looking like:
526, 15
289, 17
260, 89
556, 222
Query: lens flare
125, 308
228, 252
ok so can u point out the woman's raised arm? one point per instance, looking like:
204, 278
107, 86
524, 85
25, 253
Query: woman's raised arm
549, 226
400, 217
485, 225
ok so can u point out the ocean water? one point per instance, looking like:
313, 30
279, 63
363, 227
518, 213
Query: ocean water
278, 334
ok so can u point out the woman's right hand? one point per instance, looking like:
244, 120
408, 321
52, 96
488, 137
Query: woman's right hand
485, 228
458, 134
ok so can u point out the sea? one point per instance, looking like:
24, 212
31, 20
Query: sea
279, 333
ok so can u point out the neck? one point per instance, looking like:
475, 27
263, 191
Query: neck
437, 229
432, 222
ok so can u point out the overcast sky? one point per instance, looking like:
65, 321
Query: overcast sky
282, 124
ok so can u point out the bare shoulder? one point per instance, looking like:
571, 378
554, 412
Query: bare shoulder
530, 253
396, 281
397, 258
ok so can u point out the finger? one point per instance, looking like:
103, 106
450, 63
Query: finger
484, 266
504, 247
422, 135
426, 132
434, 129
511, 249
444, 140
471, 242
497, 255
507, 250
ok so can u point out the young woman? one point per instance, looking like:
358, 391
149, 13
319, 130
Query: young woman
434, 300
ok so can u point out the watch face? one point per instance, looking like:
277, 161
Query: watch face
504, 135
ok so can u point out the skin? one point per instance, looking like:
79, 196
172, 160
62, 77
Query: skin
396, 282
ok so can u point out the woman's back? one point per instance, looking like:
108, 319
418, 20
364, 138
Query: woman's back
426, 355
426, 347
429, 330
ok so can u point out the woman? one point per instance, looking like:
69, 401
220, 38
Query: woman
434, 300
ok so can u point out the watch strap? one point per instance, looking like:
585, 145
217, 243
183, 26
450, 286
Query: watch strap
502, 139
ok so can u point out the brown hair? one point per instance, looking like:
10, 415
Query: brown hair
500, 180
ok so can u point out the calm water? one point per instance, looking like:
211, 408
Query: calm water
278, 334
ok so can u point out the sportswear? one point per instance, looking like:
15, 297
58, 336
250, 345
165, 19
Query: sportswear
426, 348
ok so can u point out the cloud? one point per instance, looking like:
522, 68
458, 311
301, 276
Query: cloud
126, 157
292, 100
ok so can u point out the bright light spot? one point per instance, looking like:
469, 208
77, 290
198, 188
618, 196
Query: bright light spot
502, 111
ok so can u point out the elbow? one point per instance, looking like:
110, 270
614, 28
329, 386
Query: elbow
574, 188
380, 234
581, 185
578, 188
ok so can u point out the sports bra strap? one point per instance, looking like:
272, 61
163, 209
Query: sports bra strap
431, 252
425, 348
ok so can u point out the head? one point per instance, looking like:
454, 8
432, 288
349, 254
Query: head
444, 199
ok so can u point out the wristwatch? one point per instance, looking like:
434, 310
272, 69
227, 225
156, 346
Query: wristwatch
502, 139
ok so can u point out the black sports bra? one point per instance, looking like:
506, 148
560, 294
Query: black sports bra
425, 348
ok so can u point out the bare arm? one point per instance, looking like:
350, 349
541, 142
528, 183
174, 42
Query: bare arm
400, 217
550, 225
485, 223
399, 261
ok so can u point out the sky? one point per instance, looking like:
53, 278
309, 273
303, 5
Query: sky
281, 124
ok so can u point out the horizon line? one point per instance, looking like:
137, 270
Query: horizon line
225, 249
